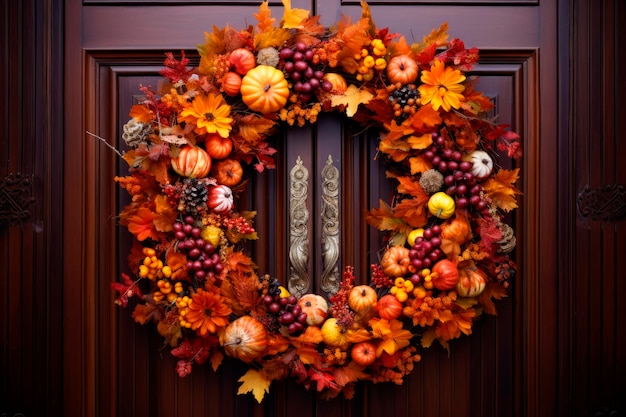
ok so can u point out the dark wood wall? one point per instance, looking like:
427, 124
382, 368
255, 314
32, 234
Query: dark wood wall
48, 363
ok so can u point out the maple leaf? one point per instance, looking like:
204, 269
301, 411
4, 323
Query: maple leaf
166, 214
460, 322
273, 38
323, 379
216, 359
171, 332
292, 18
141, 113
310, 31
489, 232
127, 289
420, 142
266, 22
213, 43
183, 368
383, 218
438, 37
143, 313
252, 128
413, 212
141, 224
425, 118
492, 290
499, 188
350, 373
398, 131
352, 98
400, 47
256, 382
393, 336
419, 164
397, 149
177, 262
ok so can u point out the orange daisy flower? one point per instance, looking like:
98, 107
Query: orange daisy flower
207, 312
442, 87
210, 114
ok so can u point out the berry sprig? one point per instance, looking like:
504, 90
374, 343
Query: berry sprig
298, 66
426, 250
203, 261
371, 60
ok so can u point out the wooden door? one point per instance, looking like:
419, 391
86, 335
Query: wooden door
113, 46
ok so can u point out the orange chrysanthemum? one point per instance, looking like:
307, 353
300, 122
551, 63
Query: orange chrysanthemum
206, 312
442, 87
210, 114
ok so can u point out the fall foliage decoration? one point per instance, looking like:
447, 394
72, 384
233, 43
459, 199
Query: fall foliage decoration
193, 146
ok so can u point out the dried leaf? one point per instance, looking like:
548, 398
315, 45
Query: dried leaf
352, 98
437, 37
425, 118
419, 164
266, 22
499, 188
292, 18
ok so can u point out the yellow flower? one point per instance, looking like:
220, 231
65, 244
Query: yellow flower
393, 336
210, 114
207, 312
442, 87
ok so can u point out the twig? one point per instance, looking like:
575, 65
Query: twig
105, 142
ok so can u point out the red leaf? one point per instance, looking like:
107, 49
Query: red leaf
127, 289
174, 69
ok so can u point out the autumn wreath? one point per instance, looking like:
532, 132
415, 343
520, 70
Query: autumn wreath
191, 144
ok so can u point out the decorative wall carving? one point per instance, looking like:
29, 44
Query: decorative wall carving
299, 279
330, 227
606, 203
15, 199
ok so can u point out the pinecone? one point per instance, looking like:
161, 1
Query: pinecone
194, 196
508, 241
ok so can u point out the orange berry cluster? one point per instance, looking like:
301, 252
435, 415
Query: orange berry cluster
371, 59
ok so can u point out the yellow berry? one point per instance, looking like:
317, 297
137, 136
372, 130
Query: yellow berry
402, 296
369, 61
399, 282
381, 64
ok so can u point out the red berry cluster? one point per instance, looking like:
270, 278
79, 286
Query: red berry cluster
203, 261
287, 312
425, 252
298, 67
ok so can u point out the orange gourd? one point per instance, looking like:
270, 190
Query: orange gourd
472, 281
395, 262
389, 307
456, 229
231, 83
362, 298
402, 69
218, 147
264, 89
445, 275
220, 199
245, 339
337, 81
242, 60
363, 353
228, 172
192, 162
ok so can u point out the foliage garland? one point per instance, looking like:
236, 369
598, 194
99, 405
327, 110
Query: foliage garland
448, 253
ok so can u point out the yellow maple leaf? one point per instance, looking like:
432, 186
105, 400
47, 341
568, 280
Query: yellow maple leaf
292, 18
437, 36
499, 188
254, 381
253, 128
420, 142
352, 98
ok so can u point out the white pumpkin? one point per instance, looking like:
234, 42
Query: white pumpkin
482, 164
220, 199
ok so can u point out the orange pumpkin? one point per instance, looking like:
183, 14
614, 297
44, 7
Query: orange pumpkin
242, 60
456, 229
396, 261
363, 353
228, 172
337, 82
192, 162
245, 339
231, 83
472, 281
362, 298
445, 275
402, 69
316, 308
264, 89
218, 147
389, 307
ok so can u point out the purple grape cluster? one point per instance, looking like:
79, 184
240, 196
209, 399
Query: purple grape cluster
426, 251
287, 312
458, 178
298, 67
203, 261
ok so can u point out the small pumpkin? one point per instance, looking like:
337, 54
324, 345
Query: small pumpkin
242, 60
445, 275
402, 69
316, 308
395, 262
192, 162
363, 353
482, 164
456, 229
245, 339
337, 82
334, 334
231, 83
362, 298
218, 147
228, 172
264, 89
389, 307
472, 281
413, 235
220, 199
441, 205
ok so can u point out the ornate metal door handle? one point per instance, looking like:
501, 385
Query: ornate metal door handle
15, 200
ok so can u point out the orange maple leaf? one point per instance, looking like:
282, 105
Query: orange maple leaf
292, 18
383, 218
141, 224
425, 118
253, 128
409, 186
393, 336
177, 262
171, 332
439, 37
419, 164
397, 149
492, 290
460, 322
141, 113
398, 131
349, 373
412, 211
264, 17
499, 188
352, 98
166, 214
420, 142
